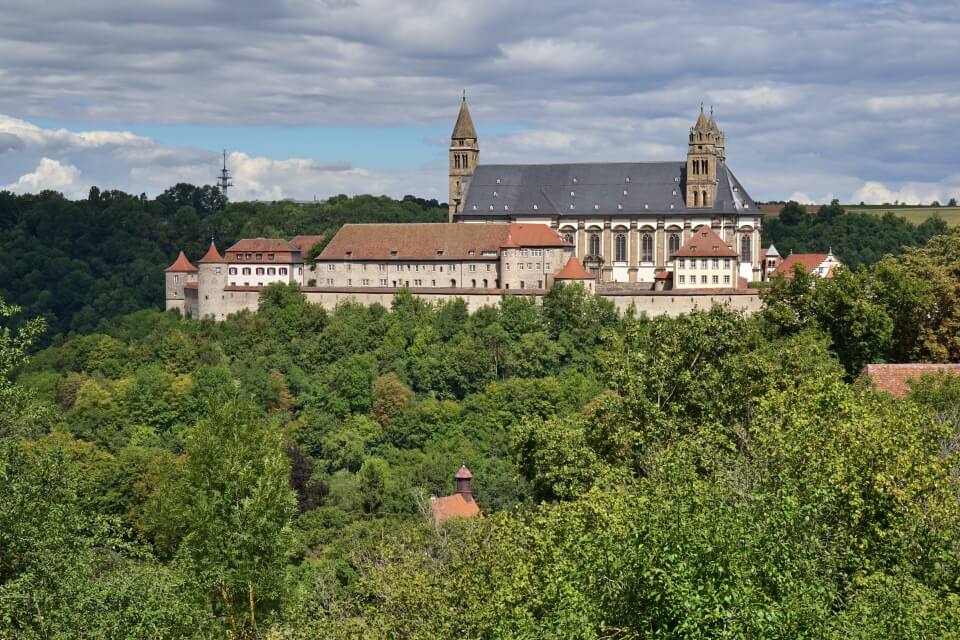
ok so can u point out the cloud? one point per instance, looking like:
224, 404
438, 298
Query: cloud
910, 193
49, 174
10, 142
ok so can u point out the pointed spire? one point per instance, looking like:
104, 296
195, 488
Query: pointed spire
713, 121
702, 123
181, 265
464, 127
212, 254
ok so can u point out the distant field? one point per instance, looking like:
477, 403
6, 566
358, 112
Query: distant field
916, 215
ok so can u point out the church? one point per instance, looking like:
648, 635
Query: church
625, 220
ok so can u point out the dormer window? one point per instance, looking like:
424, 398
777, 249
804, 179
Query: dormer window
495, 194
393, 253
536, 207
572, 194
625, 192
269, 256
471, 252
498, 180
627, 179
439, 252
259, 256
349, 254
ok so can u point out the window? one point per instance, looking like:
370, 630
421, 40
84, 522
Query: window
726, 263
568, 238
261, 271
399, 267
536, 266
348, 267
674, 243
726, 279
703, 279
365, 282
233, 271
453, 283
485, 285
259, 256
705, 166
271, 271
696, 198
716, 279
594, 244
646, 249
705, 201
349, 282
683, 279
682, 263
507, 266
247, 271
716, 263
269, 256
519, 266
703, 263
330, 282
488, 266
176, 278
249, 256
417, 283
217, 270
473, 267
536, 252
383, 282
283, 271
524, 252
620, 243
331, 267
529, 266
523, 285
745, 249
473, 284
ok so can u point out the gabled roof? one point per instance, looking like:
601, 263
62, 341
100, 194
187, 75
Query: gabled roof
595, 189
263, 245
305, 243
895, 378
704, 243
809, 262
464, 126
573, 270
181, 265
212, 255
435, 241
458, 505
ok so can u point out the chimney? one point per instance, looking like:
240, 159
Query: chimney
463, 480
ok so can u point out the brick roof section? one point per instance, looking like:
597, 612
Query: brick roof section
809, 262
212, 255
573, 270
264, 245
305, 243
458, 505
895, 378
704, 243
439, 242
181, 265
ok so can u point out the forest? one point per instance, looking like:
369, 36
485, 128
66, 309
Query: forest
76, 263
705, 476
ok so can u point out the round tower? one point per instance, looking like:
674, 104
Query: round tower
464, 155
211, 283
176, 277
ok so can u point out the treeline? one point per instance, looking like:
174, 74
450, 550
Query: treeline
76, 263
855, 238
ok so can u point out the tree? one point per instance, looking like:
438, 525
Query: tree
225, 510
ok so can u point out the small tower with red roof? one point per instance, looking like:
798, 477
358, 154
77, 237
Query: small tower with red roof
459, 505
212, 282
177, 278
572, 272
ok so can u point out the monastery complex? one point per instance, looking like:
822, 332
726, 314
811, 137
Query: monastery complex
664, 237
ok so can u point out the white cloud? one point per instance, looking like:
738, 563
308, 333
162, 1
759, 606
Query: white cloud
50, 174
911, 193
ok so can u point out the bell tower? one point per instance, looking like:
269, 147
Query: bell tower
705, 149
464, 154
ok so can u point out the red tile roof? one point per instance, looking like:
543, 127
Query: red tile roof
264, 245
181, 265
435, 241
809, 262
459, 505
705, 243
573, 270
212, 255
895, 378
662, 275
305, 243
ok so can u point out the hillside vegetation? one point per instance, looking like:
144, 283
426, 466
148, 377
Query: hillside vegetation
705, 476
76, 263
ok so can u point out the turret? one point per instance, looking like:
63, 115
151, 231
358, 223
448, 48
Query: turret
704, 151
464, 155
462, 478
212, 282
176, 277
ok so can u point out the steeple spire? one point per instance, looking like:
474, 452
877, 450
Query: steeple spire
702, 124
464, 127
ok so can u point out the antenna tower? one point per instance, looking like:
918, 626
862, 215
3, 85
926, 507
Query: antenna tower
224, 181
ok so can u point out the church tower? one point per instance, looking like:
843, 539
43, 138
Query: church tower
464, 155
704, 151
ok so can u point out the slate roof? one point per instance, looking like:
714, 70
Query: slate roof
704, 243
181, 265
895, 378
464, 126
436, 241
601, 188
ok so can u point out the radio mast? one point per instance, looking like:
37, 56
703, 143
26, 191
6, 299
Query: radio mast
225, 181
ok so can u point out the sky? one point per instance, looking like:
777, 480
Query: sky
852, 100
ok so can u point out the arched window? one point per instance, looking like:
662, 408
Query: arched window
696, 198
621, 247
705, 202
594, 244
473, 284
706, 166
745, 250
466, 162
674, 243
568, 238
453, 283
485, 285
646, 248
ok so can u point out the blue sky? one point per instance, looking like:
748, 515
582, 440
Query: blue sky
855, 100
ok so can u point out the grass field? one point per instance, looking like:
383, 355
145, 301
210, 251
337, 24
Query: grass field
916, 215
